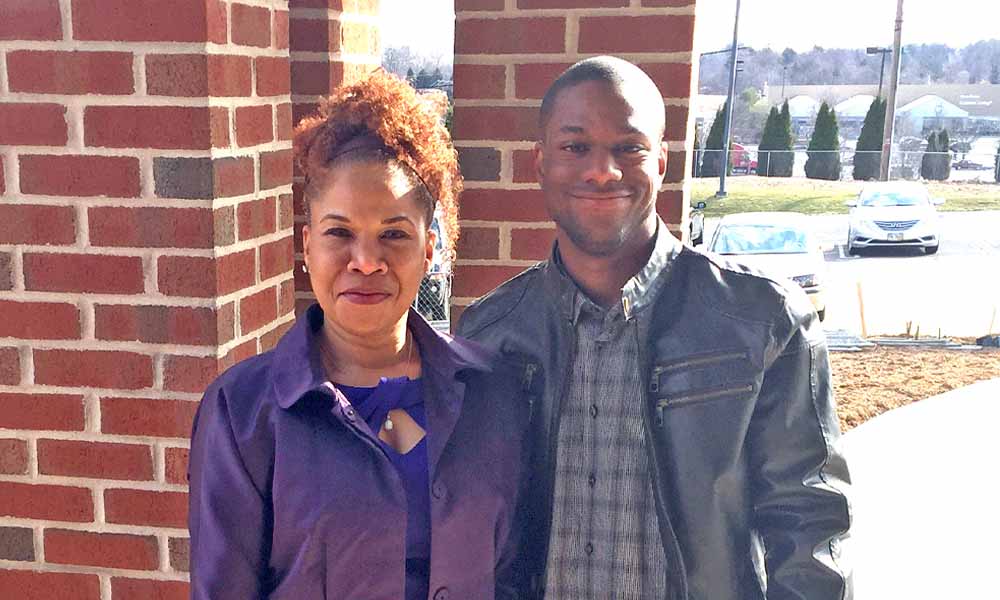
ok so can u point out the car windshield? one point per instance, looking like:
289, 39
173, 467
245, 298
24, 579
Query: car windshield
893, 198
760, 239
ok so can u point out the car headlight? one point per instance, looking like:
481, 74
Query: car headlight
805, 281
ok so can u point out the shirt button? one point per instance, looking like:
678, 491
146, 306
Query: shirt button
593, 411
592, 480
438, 491
589, 548
442, 594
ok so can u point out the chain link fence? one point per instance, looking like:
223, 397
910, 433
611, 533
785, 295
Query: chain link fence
433, 300
969, 167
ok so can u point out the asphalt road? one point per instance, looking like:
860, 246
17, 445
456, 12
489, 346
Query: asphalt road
956, 291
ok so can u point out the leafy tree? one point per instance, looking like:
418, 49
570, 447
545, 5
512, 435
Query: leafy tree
410, 76
783, 160
995, 74
768, 142
823, 151
868, 155
927, 162
943, 162
712, 161
424, 79
750, 96
788, 57
936, 162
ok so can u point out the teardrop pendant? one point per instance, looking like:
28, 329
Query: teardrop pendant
388, 423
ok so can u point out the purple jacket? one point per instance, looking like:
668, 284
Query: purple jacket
291, 497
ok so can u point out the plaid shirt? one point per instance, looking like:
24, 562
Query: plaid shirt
605, 541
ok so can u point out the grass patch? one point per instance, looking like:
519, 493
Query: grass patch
816, 197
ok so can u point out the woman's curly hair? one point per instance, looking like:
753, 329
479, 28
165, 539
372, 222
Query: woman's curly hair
410, 127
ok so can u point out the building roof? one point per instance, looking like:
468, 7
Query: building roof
855, 106
933, 106
980, 100
802, 106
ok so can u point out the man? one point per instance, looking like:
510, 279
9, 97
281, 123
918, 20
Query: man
684, 430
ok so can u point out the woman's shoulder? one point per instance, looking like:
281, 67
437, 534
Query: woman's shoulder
244, 386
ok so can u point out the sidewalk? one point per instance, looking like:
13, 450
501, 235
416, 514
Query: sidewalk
925, 498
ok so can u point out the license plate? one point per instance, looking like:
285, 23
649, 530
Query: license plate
895, 237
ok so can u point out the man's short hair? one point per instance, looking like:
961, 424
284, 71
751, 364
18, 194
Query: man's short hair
622, 75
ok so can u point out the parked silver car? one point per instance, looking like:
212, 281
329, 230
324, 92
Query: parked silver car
779, 244
897, 213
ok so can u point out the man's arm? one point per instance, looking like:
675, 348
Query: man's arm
799, 476
227, 512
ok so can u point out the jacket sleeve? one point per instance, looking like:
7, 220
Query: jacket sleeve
800, 478
227, 513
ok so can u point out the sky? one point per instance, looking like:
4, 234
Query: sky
802, 24
428, 25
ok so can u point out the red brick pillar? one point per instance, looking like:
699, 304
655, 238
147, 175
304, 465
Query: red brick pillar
507, 52
333, 42
145, 243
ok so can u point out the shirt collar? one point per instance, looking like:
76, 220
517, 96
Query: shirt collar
637, 293
297, 369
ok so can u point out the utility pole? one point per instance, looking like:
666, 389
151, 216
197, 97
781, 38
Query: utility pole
881, 71
890, 105
729, 104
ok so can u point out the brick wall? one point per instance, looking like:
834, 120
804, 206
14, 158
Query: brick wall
507, 52
333, 42
145, 243
146, 216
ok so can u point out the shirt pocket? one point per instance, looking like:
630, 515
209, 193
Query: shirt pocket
702, 378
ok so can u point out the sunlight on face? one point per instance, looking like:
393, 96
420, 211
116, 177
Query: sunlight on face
367, 246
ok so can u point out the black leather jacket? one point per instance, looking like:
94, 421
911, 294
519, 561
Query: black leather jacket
749, 485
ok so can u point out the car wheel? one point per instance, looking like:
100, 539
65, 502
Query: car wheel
851, 250
822, 314
931, 249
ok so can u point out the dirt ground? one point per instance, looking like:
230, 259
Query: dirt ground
871, 382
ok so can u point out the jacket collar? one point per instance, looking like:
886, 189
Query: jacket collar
297, 369
637, 293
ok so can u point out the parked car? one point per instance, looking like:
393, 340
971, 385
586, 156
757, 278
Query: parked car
697, 224
776, 243
969, 165
896, 213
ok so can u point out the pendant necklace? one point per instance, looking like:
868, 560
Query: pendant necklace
409, 355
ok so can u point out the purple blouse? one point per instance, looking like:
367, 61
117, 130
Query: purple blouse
373, 404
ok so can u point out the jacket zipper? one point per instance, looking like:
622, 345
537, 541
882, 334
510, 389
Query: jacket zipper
654, 383
528, 376
696, 398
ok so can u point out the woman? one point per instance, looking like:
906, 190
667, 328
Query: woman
366, 455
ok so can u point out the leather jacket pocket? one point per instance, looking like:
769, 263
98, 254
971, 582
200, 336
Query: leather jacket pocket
701, 378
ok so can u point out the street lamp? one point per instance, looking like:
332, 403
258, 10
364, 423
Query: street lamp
881, 71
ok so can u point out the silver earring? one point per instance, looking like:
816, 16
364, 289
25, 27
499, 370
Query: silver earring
305, 269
